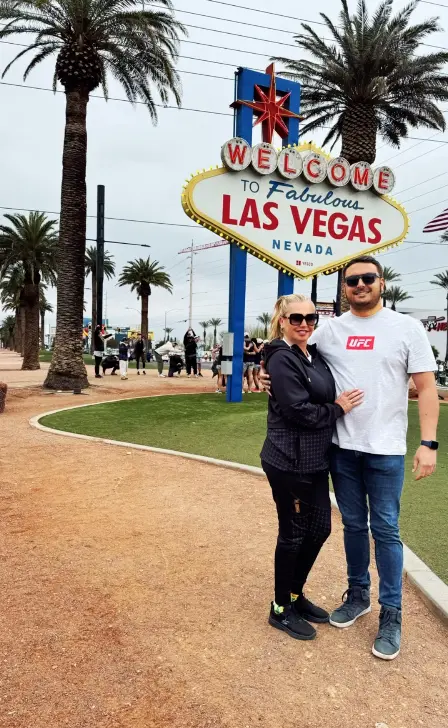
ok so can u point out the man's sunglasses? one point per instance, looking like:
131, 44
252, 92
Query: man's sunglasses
298, 318
367, 278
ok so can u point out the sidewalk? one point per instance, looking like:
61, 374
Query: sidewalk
136, 592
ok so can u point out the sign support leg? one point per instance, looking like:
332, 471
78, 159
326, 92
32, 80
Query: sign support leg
237, 305
285, 284
314, 290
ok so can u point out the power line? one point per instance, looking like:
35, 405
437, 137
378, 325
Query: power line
417, 184
428, 2
124, 101
185, 108
175, 224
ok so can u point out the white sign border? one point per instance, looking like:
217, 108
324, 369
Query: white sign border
271, 259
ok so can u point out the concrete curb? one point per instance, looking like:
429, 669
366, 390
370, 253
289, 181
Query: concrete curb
433, 590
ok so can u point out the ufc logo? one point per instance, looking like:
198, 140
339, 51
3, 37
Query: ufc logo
360, 342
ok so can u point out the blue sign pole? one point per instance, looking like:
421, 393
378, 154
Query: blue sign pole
285, 284
246, 80
237, 308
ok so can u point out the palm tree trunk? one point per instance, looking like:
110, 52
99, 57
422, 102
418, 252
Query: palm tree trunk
214, 336
42, 330
31, 338
359, 134
17, 332
144, 319
92, 329
22, 323
67, 370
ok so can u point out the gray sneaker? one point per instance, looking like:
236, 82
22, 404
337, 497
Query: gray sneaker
388, 639
355, 603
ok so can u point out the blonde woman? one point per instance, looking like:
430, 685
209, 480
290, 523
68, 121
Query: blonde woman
302, 412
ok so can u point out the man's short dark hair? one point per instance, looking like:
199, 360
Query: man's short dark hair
365, 259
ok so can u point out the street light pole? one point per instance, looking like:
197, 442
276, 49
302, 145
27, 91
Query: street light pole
99, 255
190, 308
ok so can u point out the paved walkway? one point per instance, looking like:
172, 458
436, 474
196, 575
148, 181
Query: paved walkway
136, 589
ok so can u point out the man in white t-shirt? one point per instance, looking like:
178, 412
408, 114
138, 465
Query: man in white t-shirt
375, 349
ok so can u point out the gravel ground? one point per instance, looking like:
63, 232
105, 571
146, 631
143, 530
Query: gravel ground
136, 590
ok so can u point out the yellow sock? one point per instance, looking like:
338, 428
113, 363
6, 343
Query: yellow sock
294, 597
278, 609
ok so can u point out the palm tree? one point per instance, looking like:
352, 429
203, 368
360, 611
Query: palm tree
168, 332
215, 322
44, 307
7, 330
204, 326
395, 295
92, 40
142, 275
389, 276
30, 242
442, 281
12, 299
371, 78
90, 269
264, 319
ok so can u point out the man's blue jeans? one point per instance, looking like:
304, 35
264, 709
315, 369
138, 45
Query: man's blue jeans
360, 478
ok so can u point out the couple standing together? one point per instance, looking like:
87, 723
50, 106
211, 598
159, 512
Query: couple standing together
367, 356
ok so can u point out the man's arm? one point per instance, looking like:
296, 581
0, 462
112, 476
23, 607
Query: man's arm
428, 409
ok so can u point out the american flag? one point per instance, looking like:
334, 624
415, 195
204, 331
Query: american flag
438, 223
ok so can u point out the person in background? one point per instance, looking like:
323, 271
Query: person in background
217, 365
110, 362
248, 363
302, 411
123, 356
98, 349
139, 353
191, 346
259, 347
176, 363
199, 356
159, 353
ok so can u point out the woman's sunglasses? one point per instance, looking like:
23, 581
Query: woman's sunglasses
298, 318
367, 278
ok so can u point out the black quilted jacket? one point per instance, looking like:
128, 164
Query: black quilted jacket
302, 409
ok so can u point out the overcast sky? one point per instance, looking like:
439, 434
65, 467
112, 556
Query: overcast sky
144, 167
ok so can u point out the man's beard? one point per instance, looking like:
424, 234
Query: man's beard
365, 305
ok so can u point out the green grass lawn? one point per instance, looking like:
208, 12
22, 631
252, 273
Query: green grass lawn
206, 425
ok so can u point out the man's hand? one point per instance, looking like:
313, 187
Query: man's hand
265, 379
424, 462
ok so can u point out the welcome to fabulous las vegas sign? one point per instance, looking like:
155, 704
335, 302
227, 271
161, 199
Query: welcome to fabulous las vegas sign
297, 208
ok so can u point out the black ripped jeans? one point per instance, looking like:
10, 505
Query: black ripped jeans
304, 524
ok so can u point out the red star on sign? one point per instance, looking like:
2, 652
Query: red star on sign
270, 110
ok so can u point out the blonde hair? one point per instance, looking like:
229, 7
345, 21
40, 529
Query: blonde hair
280, 309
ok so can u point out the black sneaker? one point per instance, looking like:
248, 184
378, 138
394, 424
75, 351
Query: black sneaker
356, 604
144, 372
309, 611
388, 639
292, 624
138, 372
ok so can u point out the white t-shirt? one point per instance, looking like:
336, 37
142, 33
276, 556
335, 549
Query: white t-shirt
376, 354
